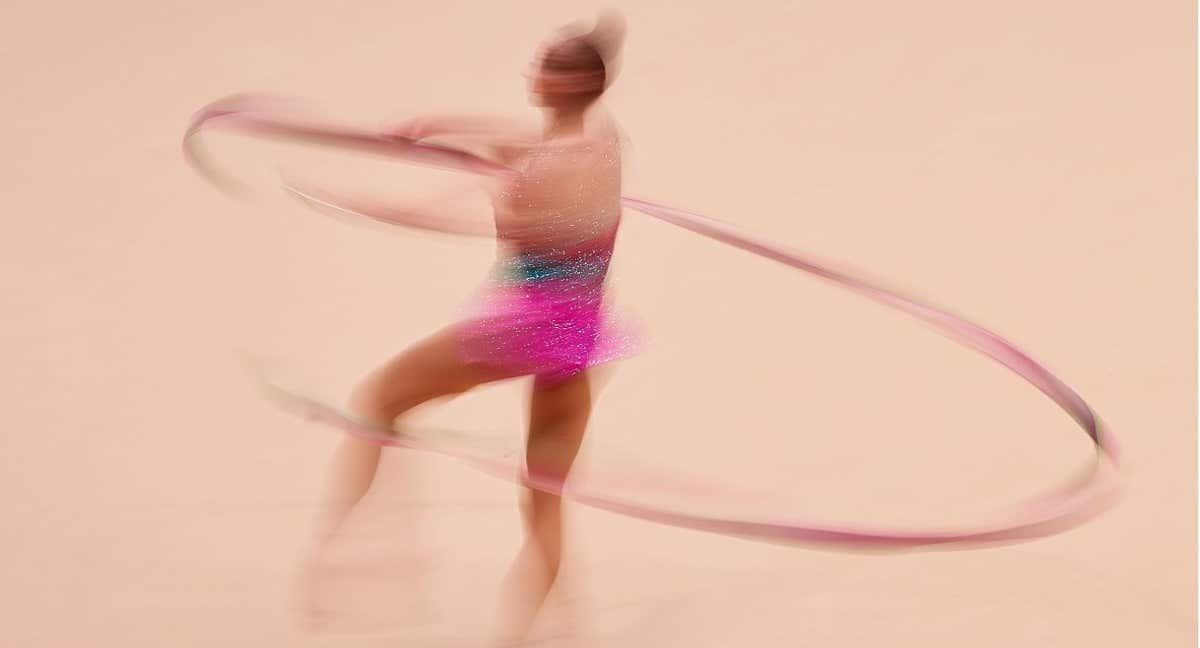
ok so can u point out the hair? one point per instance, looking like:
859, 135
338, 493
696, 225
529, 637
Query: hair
595, 52
577, 54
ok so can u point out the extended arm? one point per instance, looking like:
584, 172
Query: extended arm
499, 139
430, 215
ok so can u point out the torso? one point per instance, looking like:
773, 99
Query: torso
566, 196
542, 309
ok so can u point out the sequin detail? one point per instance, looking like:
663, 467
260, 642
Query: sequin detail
546, 316
542, 309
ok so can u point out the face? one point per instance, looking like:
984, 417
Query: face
550, 87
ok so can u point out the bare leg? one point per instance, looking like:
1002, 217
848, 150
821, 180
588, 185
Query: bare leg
429, 370
558, 419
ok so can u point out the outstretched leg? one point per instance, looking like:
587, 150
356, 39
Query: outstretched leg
426, 371
429, 370
559, 414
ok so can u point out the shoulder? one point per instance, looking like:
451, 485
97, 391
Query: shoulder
576, 152
496, 138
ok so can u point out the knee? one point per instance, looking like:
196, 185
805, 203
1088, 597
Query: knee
371, 400
384, 397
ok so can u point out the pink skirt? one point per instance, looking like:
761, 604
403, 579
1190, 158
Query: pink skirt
545, 317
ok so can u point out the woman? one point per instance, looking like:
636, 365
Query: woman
541, 311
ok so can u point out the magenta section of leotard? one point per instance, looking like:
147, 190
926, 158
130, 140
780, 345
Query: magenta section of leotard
544, 312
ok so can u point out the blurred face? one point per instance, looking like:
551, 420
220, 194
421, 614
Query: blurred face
555, 80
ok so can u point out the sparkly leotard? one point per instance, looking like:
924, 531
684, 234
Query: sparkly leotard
542, 309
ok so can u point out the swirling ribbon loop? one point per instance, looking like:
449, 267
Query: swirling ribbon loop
1058, 510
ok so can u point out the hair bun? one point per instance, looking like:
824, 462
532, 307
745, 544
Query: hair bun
609, 32
608, 37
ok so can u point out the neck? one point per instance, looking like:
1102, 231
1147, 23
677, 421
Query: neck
560, 122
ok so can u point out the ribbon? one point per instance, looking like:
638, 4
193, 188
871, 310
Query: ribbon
1058, 510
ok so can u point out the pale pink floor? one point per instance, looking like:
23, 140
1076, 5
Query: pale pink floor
1029, 164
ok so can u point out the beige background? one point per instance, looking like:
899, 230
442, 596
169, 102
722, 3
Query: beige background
1030, 164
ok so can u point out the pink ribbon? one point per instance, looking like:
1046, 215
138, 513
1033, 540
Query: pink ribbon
1054, 512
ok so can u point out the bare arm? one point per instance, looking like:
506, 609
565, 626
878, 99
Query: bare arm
500, 139
431, 215
463, 125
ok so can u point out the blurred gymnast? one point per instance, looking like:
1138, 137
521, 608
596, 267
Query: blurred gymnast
556, 207
541, 311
